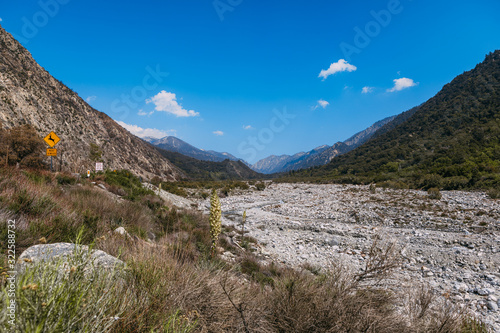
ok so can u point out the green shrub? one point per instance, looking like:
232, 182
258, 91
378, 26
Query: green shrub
38, 176
494, 193
63, 179
260, 186
173, 188
429, 181
397, 185
433, 193
455, 183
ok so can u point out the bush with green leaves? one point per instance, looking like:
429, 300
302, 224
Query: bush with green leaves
126, 181
260, 186
434, 193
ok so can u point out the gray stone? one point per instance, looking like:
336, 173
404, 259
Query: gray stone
461, 287
63, 251
492, 306
483, 292
121, 231
331, 242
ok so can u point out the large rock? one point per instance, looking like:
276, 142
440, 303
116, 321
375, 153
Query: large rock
65, 251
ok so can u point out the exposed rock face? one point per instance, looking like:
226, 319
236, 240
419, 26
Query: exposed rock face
30, 95
54, 252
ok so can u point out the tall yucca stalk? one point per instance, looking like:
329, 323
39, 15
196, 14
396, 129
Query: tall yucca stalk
215, 220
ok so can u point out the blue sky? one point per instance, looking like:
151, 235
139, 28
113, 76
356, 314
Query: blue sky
254, 77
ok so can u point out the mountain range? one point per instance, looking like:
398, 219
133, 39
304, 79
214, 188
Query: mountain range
30, 95
318, 156
452, 141
174, 144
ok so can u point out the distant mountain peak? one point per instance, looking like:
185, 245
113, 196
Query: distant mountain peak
174, 144
318, 156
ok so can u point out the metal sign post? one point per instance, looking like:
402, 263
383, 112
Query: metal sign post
52, 139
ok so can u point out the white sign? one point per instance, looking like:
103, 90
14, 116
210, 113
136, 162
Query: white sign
99, 166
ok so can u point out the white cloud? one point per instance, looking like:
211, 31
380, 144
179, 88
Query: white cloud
248, 127
218, 133
367, 90
167, 102
1, 19
146, 132
144, 113
90, 99
321, 103
402, 83
339, 66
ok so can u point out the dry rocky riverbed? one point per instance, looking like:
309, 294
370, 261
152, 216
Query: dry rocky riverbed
451, 244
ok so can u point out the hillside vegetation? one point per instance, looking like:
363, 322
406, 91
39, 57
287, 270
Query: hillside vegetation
195, 169
450, 142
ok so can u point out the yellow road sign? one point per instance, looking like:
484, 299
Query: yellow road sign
52, 139
51, 152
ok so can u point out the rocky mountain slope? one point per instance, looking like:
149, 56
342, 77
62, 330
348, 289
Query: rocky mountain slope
451, 141
171, 143
318, 156
30, 95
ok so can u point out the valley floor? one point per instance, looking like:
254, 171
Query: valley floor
451, 244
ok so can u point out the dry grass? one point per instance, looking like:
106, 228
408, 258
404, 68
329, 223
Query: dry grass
219, 298
178, 287
42, 208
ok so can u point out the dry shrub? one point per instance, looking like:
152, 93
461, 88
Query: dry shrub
427, 313
166, 286
220, 299
178, 287
330, 303
44, 208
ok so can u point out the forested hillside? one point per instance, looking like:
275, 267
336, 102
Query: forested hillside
451, 141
